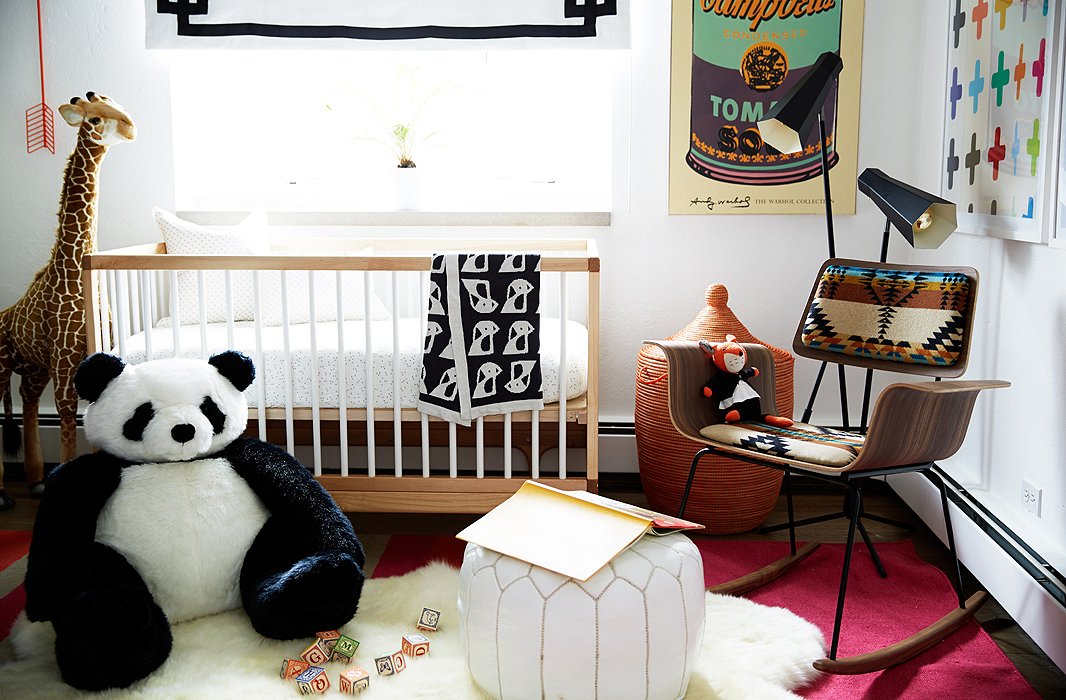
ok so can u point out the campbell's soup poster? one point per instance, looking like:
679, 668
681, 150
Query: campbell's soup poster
731, 60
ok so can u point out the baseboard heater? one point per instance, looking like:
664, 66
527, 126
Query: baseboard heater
1049, 578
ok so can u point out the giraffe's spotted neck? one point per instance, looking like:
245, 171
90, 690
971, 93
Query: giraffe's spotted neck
77, 206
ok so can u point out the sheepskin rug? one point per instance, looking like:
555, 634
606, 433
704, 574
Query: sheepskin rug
749, 651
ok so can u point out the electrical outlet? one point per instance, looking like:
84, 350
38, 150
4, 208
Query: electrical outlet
1030, 495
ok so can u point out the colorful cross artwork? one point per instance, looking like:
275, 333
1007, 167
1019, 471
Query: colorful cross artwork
996, 107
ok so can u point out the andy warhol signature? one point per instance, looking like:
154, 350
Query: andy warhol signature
734, 203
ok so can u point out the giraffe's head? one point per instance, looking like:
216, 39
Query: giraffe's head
102, 121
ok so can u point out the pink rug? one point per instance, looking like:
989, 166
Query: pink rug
877, 612
14, 545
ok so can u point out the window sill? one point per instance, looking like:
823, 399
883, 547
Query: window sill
404, 218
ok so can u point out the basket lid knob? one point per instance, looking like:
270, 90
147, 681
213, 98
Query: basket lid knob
717, 295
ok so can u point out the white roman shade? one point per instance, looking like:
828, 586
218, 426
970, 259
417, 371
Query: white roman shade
396, 24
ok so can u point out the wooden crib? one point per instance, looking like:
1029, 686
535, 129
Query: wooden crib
346, 412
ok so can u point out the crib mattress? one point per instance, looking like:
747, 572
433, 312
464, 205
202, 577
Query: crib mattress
408, 359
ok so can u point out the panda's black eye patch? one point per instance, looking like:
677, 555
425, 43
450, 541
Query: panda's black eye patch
133, 430
214, 414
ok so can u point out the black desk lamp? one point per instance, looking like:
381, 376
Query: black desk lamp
784, 128
924, 219
789, 121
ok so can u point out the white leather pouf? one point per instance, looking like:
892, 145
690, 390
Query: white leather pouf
633, 630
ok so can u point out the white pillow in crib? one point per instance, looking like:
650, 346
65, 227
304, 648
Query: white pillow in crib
251, 238
186, 238
298, 291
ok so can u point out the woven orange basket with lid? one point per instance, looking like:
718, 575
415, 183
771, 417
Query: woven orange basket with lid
728, 496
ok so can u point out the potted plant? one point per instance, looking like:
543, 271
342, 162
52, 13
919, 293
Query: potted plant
400, 110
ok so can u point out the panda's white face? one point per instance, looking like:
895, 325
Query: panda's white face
165, 411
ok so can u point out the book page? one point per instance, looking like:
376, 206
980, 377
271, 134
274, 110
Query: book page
661, 524
552, 529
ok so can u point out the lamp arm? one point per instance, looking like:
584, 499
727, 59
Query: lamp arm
825, 185
884, 239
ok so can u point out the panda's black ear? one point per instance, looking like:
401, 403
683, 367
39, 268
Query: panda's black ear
236, 367
95, 373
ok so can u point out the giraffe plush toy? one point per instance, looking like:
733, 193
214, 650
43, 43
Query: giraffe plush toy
42, 334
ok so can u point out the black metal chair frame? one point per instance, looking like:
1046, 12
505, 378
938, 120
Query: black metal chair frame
853, 482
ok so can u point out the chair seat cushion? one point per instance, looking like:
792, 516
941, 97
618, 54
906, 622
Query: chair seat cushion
801, 442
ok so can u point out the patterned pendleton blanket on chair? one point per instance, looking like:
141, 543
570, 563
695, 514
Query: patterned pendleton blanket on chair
896, 315
482, 346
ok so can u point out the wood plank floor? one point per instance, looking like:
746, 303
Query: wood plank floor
375, 528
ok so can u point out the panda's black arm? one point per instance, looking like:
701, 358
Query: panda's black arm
64, 531
291, 494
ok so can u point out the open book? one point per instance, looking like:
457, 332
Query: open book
573, 533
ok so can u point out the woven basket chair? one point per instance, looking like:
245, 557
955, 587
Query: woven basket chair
732, 496
921, 319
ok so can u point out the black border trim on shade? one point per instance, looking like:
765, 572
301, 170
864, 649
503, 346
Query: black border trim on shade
589, 11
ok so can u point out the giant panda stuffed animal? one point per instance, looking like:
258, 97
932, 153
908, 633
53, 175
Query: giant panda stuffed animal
176, 517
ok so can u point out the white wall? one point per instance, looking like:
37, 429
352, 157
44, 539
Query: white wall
1020, 331
655, 266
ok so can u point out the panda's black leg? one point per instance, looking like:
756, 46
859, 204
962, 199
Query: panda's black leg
113, 633
290, 593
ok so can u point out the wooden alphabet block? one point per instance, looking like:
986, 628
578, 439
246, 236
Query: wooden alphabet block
384, 665
316, 654
415, 645
313, 680
398, 662
354, 680
290, 668
344, 649
428, 620
329, 638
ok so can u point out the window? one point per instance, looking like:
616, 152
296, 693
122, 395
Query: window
315, 131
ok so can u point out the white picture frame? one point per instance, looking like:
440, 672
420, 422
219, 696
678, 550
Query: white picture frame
1021, 201
1057, 180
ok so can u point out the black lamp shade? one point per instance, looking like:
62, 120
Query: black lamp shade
924, 219
789, 121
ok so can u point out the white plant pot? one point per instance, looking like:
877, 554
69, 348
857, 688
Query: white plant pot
407, 189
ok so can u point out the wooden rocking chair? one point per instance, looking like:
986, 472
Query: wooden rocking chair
858, 314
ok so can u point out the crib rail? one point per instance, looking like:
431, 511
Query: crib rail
374, 454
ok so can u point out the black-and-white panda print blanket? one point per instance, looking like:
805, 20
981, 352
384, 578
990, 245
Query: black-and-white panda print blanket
482, 344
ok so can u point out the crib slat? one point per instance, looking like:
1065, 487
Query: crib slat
423, 317
96, 307
397, 426
202, 299
316, 425
342, 377
133, 280
107, 314
480, 431
564, 305
507, 445
122, 312
534, 468
146, 311
230, 343
371, 447
155, 284
175, 314
425, 445
286, 354
108, 290
453, 456
260, 375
